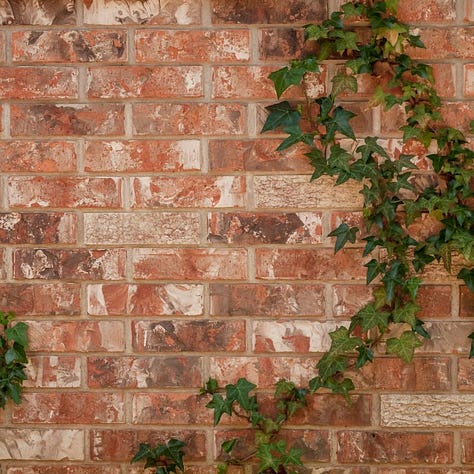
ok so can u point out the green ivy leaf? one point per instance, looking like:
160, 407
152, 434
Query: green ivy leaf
343, 234
240, 392
220, 406
365, 355
18, 334
468, 276
406, 314
370, 317
404, 346
339, 122
293, 75
281, 115
228, 446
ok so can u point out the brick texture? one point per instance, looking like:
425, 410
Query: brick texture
151, 237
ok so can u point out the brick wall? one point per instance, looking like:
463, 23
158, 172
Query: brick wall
152, 238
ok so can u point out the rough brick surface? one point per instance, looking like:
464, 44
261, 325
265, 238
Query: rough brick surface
151, 236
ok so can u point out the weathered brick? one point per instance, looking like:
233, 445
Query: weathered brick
184, 336
68, 120
164, 156
189, 119
458, 114
291, 11
192, 46
190, 191
291, 336
442, 43
121, 445
427, 410
265, 228
466, 298
66, 46
420, 470
469, 17
37, 82
121, 82
56, 13
142, 228
53, 372
68, 192
465, 375
469, 80
467, 447
395, 447
70, 408
280, 44
65, 469
447, 338
38, 156
76, 336
190, 264
431, 11
297, 191
144, 299
49, 445
39, 300
76, 264
170, 409
2, 48
314, 444
38, 228
266, 300
423, 374
308, 264
256, 155
144, 372
103, 12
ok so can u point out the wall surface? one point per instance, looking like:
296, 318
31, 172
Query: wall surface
151, 238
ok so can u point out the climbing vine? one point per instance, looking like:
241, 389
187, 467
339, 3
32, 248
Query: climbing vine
396, 194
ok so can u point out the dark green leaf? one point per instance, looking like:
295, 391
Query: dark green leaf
471, 352
281, 115
343, 234
228, 446
468, 276
370, 317
286, 77
343, 82
339, 122
240, 392
220, 407
18, 334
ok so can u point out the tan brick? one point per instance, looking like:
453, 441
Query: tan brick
431, 11
66, 46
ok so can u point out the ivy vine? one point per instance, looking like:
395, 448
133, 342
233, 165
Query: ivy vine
394, 196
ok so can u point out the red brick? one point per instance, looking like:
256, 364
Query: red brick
121, 445
314, 444
465, 375
170, 409
2, 264
305, 264
466, 298
266, 300
25, 82
66, 46
467, 447
145, 299
469, 80
103, 12
445, 79
53, 372
424, 374
256, 155
67, 192
2, 48
265, 228
76, 336
69, 120
163, 156
43, 299
190, 264
38, 228
291, 336
144, 372
65, 469
69, 264
170, 228
193, 336
280, 44
305, 11
419, 470
121, 82
442, 43
70, 408
431, 11
395, 447
447, 337
38, 157
190, 191
191, 46
189, 119
458, 114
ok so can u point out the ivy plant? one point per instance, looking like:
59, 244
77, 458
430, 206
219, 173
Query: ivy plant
167, 457
13, 359
395, 193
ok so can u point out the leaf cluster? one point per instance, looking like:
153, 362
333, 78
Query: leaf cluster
166, 457
13, 359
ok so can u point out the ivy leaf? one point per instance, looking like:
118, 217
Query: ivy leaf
222, 468
281, 115
18, 334
404, 346
220, 406
406, 314
240, 392
339, 122
370, 317
343, 387
228, 446
468, 277
374, 268
212, 386
343, 234
266, 455
329, 365
419, 329
365, 355
342, 82
341, 341
293, 457
286, 77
